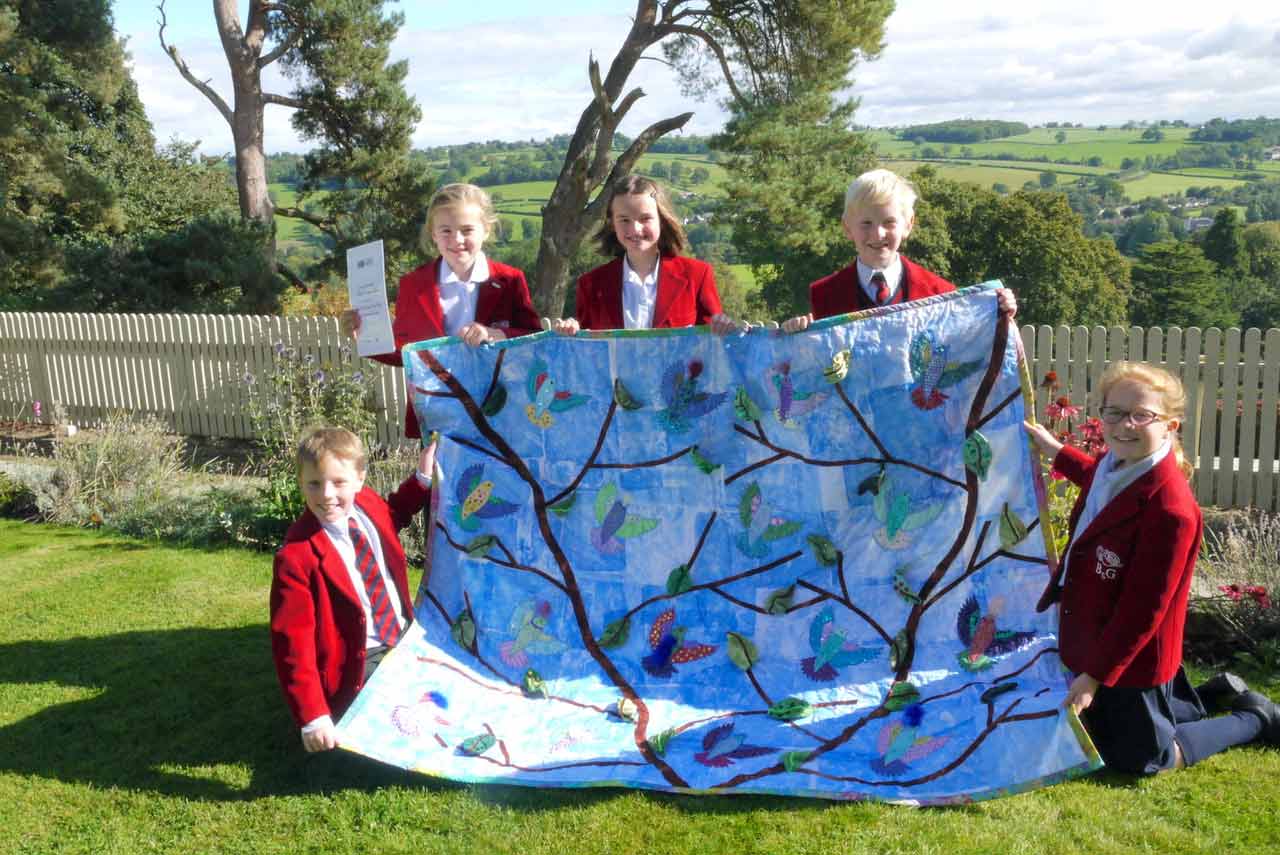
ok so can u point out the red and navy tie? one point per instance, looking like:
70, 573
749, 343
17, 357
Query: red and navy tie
385, 624
882, 288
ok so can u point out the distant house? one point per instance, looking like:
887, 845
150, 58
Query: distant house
1273, 153
1195, 224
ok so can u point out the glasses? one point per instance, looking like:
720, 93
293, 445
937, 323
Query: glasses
1137, 418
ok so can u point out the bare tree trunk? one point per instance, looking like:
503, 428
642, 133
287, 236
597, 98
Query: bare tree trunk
569, 215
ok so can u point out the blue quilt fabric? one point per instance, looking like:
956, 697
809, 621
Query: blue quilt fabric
796, 564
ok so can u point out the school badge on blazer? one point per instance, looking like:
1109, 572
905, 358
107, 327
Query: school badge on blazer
1108, 563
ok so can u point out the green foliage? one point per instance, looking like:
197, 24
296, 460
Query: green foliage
1224, 243
216, 263
1031, 241
17, 500
964, 131
297, 394
788, 168
1175, 285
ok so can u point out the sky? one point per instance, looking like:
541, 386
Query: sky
510, 72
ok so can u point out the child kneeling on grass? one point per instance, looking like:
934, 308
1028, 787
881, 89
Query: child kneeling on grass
1123, 584
339, 589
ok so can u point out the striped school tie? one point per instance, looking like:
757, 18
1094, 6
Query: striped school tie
385, 624
882, 288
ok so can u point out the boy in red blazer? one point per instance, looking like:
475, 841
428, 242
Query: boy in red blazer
461, 291
339, 587
879, 213
650, 284
1123, 586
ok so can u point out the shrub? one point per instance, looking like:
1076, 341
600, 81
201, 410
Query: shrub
17, 500
297, 394
1066, 422
1232, 614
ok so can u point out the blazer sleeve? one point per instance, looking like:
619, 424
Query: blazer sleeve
524, 318
1167, 545
293, 632
406, 500
708, 296
1075, 464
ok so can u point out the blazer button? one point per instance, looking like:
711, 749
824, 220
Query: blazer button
1066, 611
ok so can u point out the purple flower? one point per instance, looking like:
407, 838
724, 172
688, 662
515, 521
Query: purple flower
357, 377
309, 358
279, 348
248, 378
317, 377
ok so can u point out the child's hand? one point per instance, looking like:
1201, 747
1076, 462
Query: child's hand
324, 737
722, 324
1045, 441
1007, 302
797, 324
563, 326
1081, 693
427, 460
349, 323
474, 334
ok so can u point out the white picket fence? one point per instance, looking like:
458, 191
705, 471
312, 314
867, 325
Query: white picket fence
192, 372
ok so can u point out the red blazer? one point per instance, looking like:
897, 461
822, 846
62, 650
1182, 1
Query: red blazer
1125, 599
317, 623
686, 296
503, 302
841, 293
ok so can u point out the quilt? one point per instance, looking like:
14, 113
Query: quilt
765, 563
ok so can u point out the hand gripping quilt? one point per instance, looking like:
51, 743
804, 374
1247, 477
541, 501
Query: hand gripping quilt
795, 564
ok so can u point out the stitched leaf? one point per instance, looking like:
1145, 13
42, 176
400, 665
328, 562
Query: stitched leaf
977, 454
824, 551
744, 408
742, 651
790, 709
901, 695
679, 580
615, 634
463, 630
793, 760
700, 460
494, 401
623, 396
780, 600
898, 650
477, 547
903, 587
872, 483
997, 690
533, 684
838, 369
627, 709
561, 508
477, 745
659, 743
1012, 528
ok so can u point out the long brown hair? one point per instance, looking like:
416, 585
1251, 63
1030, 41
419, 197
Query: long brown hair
1172, 397
671, 238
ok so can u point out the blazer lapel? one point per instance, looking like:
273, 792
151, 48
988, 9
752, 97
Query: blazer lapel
330, 561
1130, 500
608, 294
671, 283
488, 300
429, 296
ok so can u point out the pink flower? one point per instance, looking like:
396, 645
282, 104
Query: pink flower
1259, 594
1232, 591
36, 409
1050, 381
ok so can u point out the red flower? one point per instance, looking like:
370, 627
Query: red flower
1050, 380
1259, 594
1233, 592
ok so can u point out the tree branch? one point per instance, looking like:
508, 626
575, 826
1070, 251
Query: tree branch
711, 43
624, 164
282, 100
181, 64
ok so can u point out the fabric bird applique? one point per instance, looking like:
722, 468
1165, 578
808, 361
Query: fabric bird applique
413, 719
982, 639
792, 403
831, 651
528, 627
476, 501
899, 743
615, 523
545, 397
669, 647
762, 526
931, 371
684, 402
900, 513
721, 746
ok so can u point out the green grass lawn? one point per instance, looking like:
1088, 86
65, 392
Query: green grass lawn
139, 713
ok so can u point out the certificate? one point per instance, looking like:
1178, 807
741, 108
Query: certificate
367, 287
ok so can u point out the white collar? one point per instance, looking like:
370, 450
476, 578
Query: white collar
479, 272
892, 274
629, 274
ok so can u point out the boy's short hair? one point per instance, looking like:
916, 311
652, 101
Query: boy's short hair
880, 187
339, 442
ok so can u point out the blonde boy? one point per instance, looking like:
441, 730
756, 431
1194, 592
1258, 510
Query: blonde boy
339, 589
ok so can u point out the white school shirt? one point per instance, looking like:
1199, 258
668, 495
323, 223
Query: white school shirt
892, 277
638, 296
1108, 482
458, 296
341, 541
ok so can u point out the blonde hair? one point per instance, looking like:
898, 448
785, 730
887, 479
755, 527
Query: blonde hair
1173, 398
671, 237
880, 187
336, 441
456, 196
